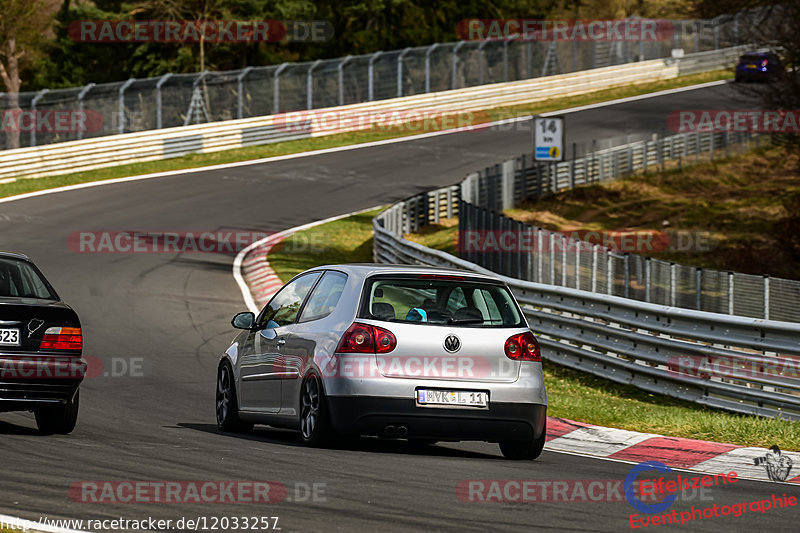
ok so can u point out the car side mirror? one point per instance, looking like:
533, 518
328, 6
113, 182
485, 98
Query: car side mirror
244, 320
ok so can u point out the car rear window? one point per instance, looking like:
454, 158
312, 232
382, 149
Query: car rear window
752, 59
431, 299
21, 280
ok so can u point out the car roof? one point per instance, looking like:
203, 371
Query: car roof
364, 270
14, 255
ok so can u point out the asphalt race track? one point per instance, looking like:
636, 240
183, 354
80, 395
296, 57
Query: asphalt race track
168, 316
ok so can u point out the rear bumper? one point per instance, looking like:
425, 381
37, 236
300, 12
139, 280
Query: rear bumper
367, 415
27, 382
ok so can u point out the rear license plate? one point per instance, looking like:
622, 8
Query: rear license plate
438, 397
751, 66
9, 337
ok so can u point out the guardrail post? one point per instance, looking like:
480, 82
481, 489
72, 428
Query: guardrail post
540, 258
766, 297
730, 293
699, 288
712, 145
277, 88
630, 159
159, 112
595, 252
716, 33
578, 244
520, 251
340, 73
505, 60
371, 71
454, 83
121, 108
428, 53
672, 286
609, 272
552, 258
33, 112
508, 184
436, 207
647, 267
481, 61
564, 242
310, 84
400, 71
645, 150
697, 146
239, 92
627, 272
81, 96
450, 202
528, 59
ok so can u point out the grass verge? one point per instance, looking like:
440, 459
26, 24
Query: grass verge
571, 394
738, 213
22, 186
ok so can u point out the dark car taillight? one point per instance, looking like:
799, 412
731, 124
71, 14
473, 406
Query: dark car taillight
61, 338
765, 63
365, 338
523, 347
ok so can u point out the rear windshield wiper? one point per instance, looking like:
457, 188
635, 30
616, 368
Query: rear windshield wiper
465, 320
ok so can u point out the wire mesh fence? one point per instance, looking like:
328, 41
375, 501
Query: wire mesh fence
614, 263
180, 99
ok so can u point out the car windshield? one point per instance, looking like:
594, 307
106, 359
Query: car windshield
19, 279
435, 299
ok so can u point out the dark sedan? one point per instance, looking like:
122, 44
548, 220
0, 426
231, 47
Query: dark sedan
41, 341
759, 66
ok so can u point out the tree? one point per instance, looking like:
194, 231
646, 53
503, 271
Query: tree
23, 23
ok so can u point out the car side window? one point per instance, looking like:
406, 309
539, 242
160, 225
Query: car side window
326, 295
282, 309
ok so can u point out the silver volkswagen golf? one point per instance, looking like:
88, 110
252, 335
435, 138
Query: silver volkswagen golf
417, 353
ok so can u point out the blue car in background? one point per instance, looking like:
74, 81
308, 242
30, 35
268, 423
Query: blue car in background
759, 66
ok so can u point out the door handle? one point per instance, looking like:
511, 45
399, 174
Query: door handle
281, 342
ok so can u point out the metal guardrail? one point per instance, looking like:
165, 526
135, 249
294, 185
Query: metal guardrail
545, 256
173, 100
87, 154
739, 364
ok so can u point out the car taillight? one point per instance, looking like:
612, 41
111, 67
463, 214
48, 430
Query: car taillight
62, 339
765, 63
523, 347
365, 338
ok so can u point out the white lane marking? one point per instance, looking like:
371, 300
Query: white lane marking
272, 239
371, 144
598, 441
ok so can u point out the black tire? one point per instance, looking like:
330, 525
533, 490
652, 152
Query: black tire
315, 425
227, 406
58, 419
524, 449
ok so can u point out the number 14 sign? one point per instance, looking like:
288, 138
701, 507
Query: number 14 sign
548, 138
